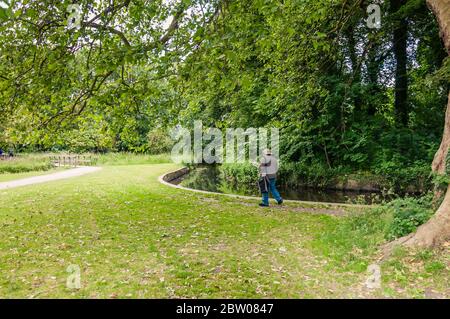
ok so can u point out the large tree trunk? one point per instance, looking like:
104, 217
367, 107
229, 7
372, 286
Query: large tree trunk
437, 229
441, 9
356, 66
440, 158
399, 44
373, 64
439, 161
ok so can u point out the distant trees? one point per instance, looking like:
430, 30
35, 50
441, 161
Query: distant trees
344, 95
399, 45
114, 67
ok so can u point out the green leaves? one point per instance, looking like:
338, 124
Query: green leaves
408, 214
310, 67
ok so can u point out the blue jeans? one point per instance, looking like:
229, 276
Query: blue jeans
273, 190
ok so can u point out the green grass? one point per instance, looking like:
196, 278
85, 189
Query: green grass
26, 163
423, 273
133, 237
131, 159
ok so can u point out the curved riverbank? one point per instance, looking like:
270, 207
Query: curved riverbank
169, 178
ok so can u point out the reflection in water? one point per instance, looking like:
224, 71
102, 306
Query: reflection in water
209, 179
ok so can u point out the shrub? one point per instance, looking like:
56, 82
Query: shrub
405, 178
386, 176
407, 215
291, 174
239, 174
159, 142
311, 175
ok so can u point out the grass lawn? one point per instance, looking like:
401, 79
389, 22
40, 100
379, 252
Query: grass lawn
133, 237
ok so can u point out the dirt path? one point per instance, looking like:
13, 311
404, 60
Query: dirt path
50, 177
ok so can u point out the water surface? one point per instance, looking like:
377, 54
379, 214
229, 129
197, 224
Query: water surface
209, 179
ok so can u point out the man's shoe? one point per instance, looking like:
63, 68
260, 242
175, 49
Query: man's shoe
280, 202
263, 205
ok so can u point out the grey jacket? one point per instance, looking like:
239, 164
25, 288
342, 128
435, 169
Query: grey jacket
269, 166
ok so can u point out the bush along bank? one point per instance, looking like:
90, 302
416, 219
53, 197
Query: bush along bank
414, 179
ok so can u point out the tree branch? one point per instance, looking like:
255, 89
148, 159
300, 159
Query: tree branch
109, 29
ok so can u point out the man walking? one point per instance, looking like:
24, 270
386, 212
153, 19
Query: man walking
268, 169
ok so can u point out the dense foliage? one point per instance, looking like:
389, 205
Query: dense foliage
345, 96
327, 83
412, 179
407, 215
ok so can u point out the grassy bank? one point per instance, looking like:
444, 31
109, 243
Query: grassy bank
26, 163
133, 237
131, 159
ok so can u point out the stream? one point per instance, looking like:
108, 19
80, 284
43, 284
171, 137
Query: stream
210, 179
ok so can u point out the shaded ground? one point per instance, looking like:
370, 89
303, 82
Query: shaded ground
133, 237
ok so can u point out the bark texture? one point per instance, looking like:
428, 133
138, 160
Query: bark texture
437, 229
441, 10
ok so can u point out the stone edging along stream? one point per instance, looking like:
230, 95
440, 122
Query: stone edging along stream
167, 178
